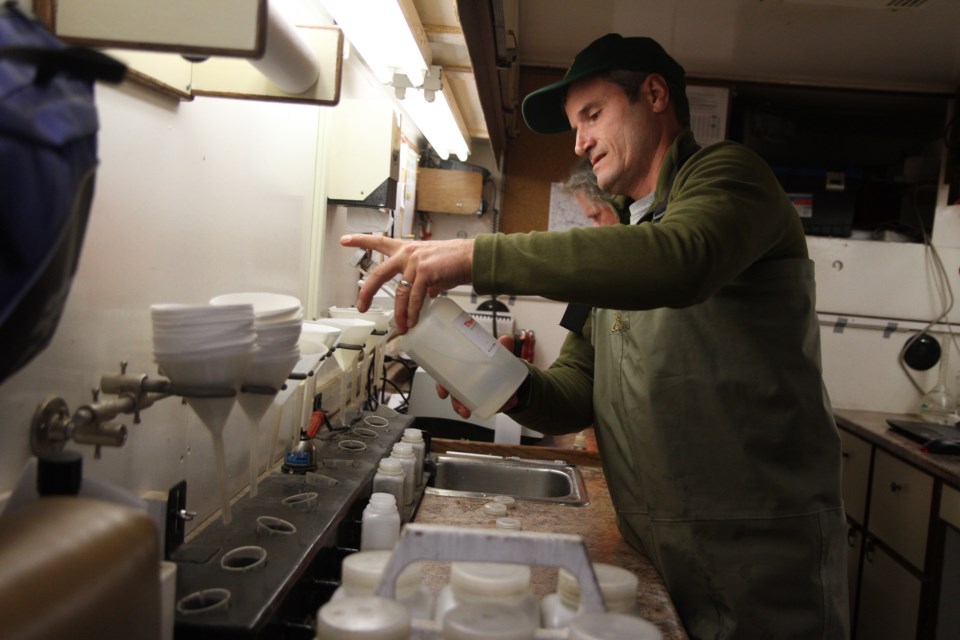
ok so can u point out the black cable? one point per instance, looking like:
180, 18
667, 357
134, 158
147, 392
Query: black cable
372, 402
383, 376
493, 306
411, 368
944, 293
406, 398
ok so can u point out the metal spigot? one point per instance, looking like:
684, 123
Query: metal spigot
91, 425
53, 425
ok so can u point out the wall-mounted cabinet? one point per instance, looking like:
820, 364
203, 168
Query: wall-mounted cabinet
364, 167
449, 191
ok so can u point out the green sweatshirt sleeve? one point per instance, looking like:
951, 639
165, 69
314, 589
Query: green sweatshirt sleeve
725, 214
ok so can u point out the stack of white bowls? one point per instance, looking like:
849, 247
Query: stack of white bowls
318, 339
383, 322
277, 322
382, 318
205, 347
354, 332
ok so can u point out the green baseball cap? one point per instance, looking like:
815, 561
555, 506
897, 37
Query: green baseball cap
543, 108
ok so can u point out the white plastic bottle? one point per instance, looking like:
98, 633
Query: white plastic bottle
361, 573
611, 626
488, 582
363, 618
414, 437
618, 586
462, 356
389, 479
380, 527
403, 452
487, 621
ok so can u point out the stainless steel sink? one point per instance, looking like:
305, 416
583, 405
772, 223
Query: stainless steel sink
480, 476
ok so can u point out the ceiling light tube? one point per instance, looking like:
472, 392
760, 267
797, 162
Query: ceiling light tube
387, 33
439, 120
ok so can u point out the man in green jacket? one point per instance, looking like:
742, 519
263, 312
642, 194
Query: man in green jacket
699, 363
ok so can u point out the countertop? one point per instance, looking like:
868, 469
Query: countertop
872, 426
594, 522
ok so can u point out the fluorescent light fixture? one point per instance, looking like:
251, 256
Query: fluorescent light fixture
387, 33
438, 118
390, 37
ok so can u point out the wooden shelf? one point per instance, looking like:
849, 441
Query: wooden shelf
449, 191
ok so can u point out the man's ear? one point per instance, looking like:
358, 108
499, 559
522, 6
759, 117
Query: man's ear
659, 93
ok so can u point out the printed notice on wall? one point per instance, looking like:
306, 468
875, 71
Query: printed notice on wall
708, 113
565, 213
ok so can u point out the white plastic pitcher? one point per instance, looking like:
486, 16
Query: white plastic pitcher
462, 356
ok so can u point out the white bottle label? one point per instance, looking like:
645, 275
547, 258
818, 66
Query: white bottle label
476, 334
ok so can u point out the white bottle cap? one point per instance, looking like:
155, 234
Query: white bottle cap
361, 573
403, 450
509, 523
391, 467
382, 503
479, 620
618, 586
487, 579
495, 509
509, 501
412, 435
363, 617
611, 626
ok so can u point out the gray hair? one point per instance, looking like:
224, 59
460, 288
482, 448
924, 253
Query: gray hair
582, 180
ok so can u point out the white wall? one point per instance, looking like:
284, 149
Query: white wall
871, 288
192, 200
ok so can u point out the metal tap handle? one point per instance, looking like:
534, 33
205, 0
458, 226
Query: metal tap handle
91, 425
